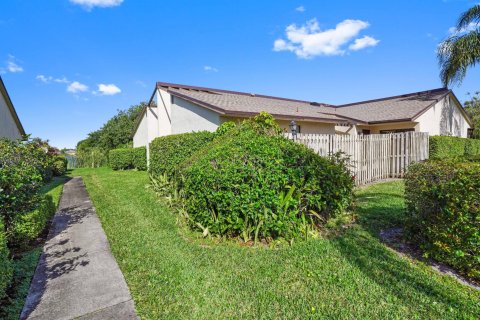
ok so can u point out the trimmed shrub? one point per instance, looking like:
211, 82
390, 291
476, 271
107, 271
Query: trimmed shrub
139, 160
6, 266
443, 206
253, 183
168, 152
128, 158
59, 166
120, 159
29, 225
443, 147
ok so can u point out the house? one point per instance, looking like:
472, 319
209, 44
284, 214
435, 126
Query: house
176, 108
10, 125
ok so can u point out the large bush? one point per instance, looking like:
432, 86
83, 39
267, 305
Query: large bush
254, 183
29, 225
91, 158
21, 175
443, 205
6, 267
168, 152
443, 147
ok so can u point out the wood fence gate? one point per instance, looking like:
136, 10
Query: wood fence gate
372, 157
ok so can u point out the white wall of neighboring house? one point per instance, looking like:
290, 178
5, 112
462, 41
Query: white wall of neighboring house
8, 127
188, 117
445, 118
141, 135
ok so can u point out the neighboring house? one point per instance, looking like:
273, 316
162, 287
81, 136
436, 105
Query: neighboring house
10, 126
175, 108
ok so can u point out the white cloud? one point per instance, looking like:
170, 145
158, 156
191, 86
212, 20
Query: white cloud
362, 43
108, 89
76, 86
300, 9
89, 4
43, 78
309, 40
12, 65
210, 68
470, 27
49, 79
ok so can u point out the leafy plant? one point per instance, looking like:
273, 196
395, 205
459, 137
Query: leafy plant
443, 147
120, 159
254, 183
443, 207
6, 267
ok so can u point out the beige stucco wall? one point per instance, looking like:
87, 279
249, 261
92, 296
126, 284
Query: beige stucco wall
188, 117
141, 135
445, 118
8, 127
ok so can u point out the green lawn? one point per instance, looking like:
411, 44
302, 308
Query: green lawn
26, 263
350, 276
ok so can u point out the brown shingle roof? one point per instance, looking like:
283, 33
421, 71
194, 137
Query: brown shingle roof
397, 108
391, 109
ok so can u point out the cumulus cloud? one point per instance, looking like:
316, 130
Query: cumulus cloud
11, 65
210, 68
308, 40
89, 4
76, 86
470, 27
362, 43
108, 89
300, 9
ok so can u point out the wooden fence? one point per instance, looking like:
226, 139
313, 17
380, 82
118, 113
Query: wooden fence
372, 157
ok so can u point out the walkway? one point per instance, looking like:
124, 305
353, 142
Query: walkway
77, 276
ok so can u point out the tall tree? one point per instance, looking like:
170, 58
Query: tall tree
472, 107
461, 50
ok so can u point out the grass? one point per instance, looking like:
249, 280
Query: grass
26, 262
352, 276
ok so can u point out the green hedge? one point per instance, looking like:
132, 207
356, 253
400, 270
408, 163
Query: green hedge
168, 152
29, 225
262, 185
139, 159
443, 147
120, 159
128, 158
6, 266
443, 206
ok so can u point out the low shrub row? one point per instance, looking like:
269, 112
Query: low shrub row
444, 147
128, 158
28, 226
6, 267
249, 181
443, 206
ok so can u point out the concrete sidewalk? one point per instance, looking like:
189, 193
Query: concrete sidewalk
77, 276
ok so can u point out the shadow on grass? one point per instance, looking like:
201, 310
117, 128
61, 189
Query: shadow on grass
394, 275
56, 181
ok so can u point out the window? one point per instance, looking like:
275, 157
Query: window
469, 132
365, 131
396, 131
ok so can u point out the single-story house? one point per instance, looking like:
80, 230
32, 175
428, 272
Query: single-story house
10, 125
176, 108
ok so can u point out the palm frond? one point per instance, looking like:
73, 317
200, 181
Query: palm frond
471, 15
456, 54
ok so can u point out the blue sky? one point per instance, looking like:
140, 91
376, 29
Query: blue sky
70, 64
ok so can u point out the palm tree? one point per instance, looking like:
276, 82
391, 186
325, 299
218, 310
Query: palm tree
461, 50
